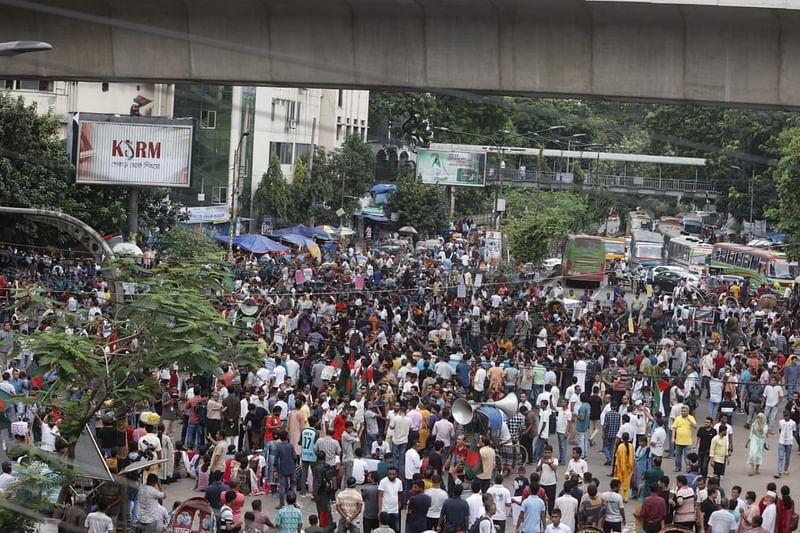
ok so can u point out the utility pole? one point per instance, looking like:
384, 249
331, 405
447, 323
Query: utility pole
235, 193
752, 187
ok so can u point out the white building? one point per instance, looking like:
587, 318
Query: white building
64, 97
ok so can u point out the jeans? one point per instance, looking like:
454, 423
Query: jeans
269, 454
399, 454
703, 458
394, 522
284, 486
608, 448
771, 412
192, 433
784, 456
304, 467
680, 453
539, 449
562, 448
583, 442
713, 407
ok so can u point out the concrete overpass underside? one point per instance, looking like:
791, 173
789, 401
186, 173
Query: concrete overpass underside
680, 53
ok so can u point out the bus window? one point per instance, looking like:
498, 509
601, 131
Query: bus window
760, 266
723, 256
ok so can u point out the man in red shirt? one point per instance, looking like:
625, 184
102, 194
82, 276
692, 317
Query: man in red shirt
653, 510
340, 420
193, 430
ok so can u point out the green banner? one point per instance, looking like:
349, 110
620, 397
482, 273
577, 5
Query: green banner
442, 167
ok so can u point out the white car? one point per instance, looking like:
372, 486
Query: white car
552, 263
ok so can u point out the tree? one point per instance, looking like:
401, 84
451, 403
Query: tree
538, 221
35, 172
302, 195
354, 163
420, 205
272, 195
181, 244
787, 181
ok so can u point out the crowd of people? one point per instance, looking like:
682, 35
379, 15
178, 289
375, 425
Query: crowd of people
352, 407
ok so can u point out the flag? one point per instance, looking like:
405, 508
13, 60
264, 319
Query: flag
141, 101
473, 464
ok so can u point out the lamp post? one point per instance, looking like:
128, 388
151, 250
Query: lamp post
15, 48
235, 193
750, 187
569, 144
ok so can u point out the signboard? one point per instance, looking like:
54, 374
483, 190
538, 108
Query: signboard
443, 167
266, 225
494, 247
132, 151
207, 213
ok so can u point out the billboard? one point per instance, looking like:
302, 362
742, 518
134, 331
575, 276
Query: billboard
493, 249
443, 167
132, 151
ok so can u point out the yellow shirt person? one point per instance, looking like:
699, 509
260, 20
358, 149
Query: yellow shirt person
683, 428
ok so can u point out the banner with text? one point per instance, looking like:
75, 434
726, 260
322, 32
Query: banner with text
441, 167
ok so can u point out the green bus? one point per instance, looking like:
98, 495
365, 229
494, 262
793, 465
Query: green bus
762, 267
584, 259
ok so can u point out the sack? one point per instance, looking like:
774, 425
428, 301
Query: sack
476, 526
328, 484
793, 523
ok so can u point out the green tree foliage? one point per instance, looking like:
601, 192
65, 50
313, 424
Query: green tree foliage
538, 221
419, 205
173, 319
787, 181
35, 172
272, 195
181, 244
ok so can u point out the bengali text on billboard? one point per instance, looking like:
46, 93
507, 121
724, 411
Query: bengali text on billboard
442, 167
130, 154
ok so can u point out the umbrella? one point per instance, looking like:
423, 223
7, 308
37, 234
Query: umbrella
330, 230
127, 248
407, 229
258, 244
346, 232
301, 242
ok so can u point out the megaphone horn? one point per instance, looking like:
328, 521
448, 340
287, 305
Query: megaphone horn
462, 411
248, 307
508, 405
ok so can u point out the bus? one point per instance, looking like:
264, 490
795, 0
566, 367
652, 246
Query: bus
584, 259
638, 220
689, 252
616, 249
761, 266
646, 248
692, 224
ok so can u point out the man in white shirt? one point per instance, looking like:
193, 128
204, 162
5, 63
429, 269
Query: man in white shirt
658, 438
475, 502
478, 383
787, 428
389, 490
438, 496
502, 501
412, 463
568, 505
770, 514
556, 525
772, 397
577, 465
444, 431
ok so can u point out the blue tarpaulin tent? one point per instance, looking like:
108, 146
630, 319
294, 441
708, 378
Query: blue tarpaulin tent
254, 243
305, 231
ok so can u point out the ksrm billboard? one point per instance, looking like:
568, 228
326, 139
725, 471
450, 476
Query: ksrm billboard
131, 151
443, 167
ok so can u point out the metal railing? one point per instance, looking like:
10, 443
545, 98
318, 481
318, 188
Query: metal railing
610, 181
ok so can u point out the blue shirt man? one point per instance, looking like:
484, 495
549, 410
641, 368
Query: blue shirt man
532, 514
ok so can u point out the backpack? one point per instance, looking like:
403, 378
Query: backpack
328, 483
476, 526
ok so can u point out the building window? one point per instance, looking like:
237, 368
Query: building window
282, 150
7, 84
208, 120
362, 123
34, 85
364, 134
272, 113
104, 87
338, 132
341, 97
302, 151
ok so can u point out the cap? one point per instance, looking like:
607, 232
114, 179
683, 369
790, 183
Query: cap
771, 494
637, 402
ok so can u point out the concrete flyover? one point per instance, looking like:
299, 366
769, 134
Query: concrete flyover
702, 51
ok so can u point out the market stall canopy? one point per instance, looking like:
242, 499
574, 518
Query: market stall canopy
305, 231
254, 243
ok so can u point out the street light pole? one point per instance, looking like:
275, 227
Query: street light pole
235, 194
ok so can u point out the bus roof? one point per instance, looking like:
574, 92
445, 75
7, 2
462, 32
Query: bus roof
615, 239
750, 250
692, 241
640, 235
585, 237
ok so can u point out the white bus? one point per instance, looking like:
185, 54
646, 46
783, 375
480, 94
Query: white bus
689, 252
